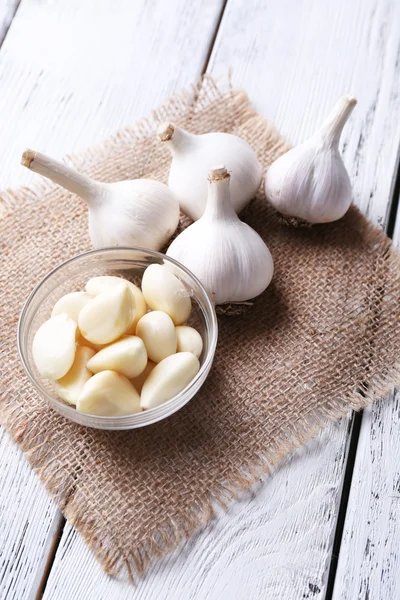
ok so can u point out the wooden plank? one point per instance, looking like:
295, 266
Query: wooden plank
252, 551
369, 559
294, 58
7, 11
27, 524
75, 72
304, 55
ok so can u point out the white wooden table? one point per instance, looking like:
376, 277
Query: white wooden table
327, 524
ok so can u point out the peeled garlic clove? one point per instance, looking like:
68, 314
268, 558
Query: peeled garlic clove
157, 330
97, 285
71, 304
108, 394
310, 182
163, 291
140, 379
192, 156
229, 257
53, 346
70, 386
107, 316
141, 212
189, 340
168, 378
127, 357
81, 341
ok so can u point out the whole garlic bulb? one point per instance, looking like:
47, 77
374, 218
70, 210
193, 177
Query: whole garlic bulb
192, 156
140, 212
229, 257
310, 182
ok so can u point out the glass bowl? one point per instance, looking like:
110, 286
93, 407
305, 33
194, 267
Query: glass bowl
129, 263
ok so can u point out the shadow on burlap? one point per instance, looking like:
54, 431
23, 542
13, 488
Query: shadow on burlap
323, 338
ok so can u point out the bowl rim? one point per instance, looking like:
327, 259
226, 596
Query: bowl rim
151, 415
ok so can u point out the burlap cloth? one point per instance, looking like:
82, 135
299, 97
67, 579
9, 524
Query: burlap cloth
325, 337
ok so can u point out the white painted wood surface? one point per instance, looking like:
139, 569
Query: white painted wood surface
265, 547
73, 73
77, 71
7, 12
28, 524
369, 559
312, 521
294, 58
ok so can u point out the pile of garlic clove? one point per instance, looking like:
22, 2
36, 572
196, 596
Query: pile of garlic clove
114, 349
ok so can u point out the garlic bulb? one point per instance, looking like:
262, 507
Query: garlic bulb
229, 257
192, 157
141, 212
310, 182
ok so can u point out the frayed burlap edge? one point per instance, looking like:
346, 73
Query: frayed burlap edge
170, 534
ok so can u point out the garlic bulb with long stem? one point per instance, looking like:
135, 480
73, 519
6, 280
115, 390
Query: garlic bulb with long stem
229, 257
192, 156
140, 212
310, 182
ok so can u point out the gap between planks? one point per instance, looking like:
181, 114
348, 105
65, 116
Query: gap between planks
7, 14
356, 423
58, 534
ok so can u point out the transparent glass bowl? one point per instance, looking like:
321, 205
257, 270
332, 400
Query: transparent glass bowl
129, 263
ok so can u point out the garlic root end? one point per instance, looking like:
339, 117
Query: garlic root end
27, 158
165, 131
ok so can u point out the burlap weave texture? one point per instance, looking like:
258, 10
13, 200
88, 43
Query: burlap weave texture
325, 337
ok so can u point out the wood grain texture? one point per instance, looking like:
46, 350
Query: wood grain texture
251, 552
294, 59
28, 523
77, 71
369, 559
73, 73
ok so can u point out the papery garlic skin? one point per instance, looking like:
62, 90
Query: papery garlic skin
163, 291
168, 379
229, 257
97, 285
140, 212
70, 386
157, 330
54, 346
192, 156
107, 316
310, 182
127, 357
71, 304
189, 340
108, 394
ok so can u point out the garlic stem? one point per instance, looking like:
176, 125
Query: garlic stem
332, 128
219, 204
61, 174
178, 139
